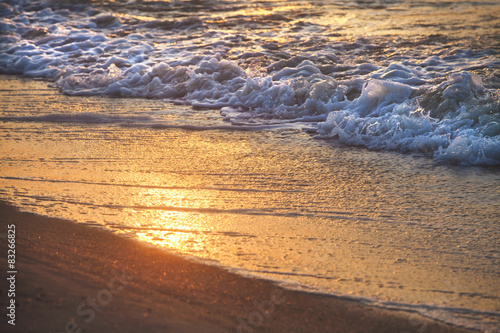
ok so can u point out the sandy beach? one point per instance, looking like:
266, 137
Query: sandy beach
75, 278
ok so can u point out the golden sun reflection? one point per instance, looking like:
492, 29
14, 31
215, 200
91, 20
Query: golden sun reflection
259, 11
173, 231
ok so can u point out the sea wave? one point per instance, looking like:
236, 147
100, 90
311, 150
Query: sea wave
432, 105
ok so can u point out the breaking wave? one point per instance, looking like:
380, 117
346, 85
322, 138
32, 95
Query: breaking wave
434, 105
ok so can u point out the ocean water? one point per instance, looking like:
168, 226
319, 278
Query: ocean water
350, 148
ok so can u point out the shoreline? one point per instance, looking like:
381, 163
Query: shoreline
75, 278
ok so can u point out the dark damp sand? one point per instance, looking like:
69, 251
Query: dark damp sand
73, 277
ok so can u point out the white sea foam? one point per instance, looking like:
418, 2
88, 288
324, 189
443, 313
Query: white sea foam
404, 106
459, 127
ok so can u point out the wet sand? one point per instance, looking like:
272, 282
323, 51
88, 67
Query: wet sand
76, 278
